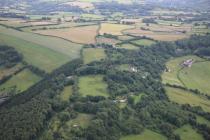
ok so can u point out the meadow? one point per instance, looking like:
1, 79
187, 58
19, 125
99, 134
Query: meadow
143, 42
92, 86
93, 54
4, 72
22, 81
146, 135
127, 46
83, 34
114, 29
188, 133
66, 93
184, 97
82, 120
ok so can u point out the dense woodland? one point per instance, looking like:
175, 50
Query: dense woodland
26, 115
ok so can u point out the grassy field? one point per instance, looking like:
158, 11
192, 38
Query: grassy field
144, 42
202, 120
83, 34
187, 133
82, 120
146, 135
22, 81
184, 97
93, 86
93, 54
137, 98
195, 77
110, 41
66, 93
127, 46
114, 29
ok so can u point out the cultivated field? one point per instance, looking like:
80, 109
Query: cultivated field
93, 54
21, 81
114, 29
195, 77
188, 133
92, 86
146, 135
83, 34
143, 42
184, 97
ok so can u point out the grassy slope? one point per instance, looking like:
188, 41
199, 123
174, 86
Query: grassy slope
144, 42
187, 133
93, 86
22, 80
146, 135
184, 97
93, 54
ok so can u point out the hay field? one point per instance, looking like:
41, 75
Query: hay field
93, 54
84, 34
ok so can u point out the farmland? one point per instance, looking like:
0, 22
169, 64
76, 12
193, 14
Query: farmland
92, 86
66, 93
184, 97
93, 54
20, 82
143, 42
146, 135
127, 46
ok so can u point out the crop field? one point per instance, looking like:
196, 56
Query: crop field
21, 81
93, 86
93, 54
84, 34
9, 71
114, 29
195, 77
188, 133
127, 46
66, 93
184, 97
146, 135
144, 42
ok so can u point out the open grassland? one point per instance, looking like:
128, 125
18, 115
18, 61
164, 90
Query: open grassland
84, 34
202, 120
184, 97
143, 42
4, 72
195, 77
125, 37
66, 93
92, 86
93, 54
81, 120
21, 81
92, 17
110, 41
146, 135
114, 29
188, 133
127, 46
39, 56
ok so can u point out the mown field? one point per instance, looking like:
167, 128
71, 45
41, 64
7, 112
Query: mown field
83, 34
188, 133
93, 86
47, 53
93, 54
146, 135
195, 77
184, 97
114, 29
21, 81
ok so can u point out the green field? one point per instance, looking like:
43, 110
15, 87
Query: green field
195, 77
202, 120
137, 98
184, 97
93, 86
143, 42
187, 133
66, 93
146, 135
128, 47
93, 54
22, 81
81, 120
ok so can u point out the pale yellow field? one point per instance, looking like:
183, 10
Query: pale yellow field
84, 34
114, 29
110, 41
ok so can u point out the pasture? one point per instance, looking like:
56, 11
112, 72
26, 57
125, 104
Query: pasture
184, 97
110, 41
127, 46
188, 133
93, 54
83, 34
202, 120
114, 29
92, 86
146, 135
4, 72
66, 93
82, 120
21, 81
143, 42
